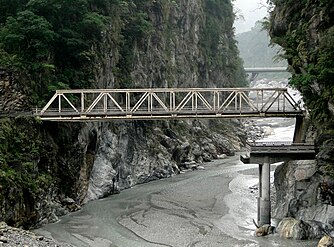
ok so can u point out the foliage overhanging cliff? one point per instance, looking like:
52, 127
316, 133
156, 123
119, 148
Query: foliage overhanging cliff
306, 32
305, 29
47, 45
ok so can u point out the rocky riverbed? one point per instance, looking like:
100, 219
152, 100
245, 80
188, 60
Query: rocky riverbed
10, 237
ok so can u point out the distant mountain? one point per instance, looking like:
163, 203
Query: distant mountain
255, 48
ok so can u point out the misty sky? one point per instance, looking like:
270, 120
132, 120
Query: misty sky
251, 11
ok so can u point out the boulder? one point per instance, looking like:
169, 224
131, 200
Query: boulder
264, 230
317, 229
221, 156
68, 201
299, 229
293, 228
326, 241
3, 239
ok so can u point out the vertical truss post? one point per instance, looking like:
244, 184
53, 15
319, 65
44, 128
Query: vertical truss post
82, 102
59, 103
105, 103
196, 105
172, 101
127, 102
240, 101
262, 100
149, 102
214, 100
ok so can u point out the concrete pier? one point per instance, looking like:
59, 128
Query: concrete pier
264, 203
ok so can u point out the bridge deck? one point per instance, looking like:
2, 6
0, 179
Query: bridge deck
164, 103
278, 152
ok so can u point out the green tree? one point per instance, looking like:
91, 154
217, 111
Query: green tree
28, 35
52, 43
10, 8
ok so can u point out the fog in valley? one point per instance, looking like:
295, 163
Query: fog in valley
248, 12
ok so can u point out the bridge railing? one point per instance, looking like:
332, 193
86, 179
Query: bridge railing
272, 147
263, 144
169, 102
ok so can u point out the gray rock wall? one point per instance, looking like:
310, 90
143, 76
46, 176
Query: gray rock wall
299, 193
12, 97
132, 153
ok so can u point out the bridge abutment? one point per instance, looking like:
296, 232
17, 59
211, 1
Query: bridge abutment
299, 128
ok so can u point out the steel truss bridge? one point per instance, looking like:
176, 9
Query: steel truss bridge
254, 72
168, 103
266, 70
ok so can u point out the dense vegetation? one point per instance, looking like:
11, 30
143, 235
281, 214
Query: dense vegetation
221, 50
54, 44
26, 165
49, 43
308, 41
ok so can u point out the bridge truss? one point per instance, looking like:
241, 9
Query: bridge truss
164, 103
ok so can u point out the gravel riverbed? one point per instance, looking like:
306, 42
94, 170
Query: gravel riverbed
10, 237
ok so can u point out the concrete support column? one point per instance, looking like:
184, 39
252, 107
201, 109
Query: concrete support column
260, 194
264, 204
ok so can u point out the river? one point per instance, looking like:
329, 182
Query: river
211, 207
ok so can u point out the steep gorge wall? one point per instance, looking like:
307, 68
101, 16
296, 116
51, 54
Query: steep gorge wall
305, 30
176, 53
169, 44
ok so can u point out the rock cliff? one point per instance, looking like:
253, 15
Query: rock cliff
162, 44
305, 30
